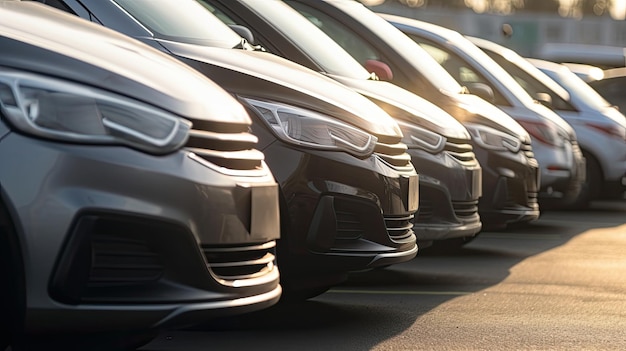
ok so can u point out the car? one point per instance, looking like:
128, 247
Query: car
450, 175
554, 141
501, 145
611, 87
348, 190
588, 73
600, 127
604, 56
129, 202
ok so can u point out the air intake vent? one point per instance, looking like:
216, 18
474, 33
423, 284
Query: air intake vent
460, 149
228, 148
118, 261
465, 209
527, 149
241, 262
393, 154
400, 228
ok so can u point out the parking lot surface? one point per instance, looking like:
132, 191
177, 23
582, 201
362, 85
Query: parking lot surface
556, 284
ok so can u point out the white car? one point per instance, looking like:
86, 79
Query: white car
561, 163
600, 127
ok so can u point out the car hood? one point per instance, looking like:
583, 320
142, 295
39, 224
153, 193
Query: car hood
267, 76
404, 105
64, 50
480, 111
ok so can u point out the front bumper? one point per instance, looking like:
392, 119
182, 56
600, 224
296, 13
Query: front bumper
340, 213
449, 192
563, 186
115, 239
510, 186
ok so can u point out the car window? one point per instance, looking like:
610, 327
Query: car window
355, 45
218, 13
322, 49
531, 84
163, 19
58, 5
458, 68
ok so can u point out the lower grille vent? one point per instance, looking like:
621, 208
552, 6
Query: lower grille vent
399, 228
241, 262
465, 209
120, 262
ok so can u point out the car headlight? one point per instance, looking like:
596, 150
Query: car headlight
65, 111
545, 132
419, 138
493, 139
307, 128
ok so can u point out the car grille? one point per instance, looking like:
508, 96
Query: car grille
240, 262
460, 149
394, 155
465, 209
118, 261
527, 149
349, 227
228, 148
426, 211
400, 228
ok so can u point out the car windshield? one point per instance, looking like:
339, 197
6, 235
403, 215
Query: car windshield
577, 87
331, 57
495, 70
400, 43
184, 21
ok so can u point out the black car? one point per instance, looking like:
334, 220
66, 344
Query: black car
129, 201
450, 175
348, 190
502, 146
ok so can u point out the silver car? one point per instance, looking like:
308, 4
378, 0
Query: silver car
600, 127
554, 142
130, 201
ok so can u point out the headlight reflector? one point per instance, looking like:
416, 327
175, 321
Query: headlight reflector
419, 138
490, 138
311, 129
65, 111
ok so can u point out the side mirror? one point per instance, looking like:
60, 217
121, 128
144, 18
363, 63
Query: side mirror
381, 69
243, 32
482, 90
544, 98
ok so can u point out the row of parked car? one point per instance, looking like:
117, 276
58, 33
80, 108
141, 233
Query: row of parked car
174, 161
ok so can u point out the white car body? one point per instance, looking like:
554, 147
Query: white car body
601, 128
562, 166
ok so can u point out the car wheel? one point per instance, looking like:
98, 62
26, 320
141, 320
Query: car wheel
593, 183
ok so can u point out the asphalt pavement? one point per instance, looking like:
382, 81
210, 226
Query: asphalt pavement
556, 284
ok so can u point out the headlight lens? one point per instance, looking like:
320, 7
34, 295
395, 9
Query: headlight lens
420, 138
544, 132
65, 111
493, 139
311, 129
